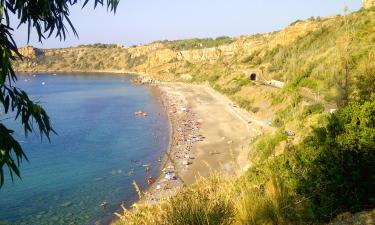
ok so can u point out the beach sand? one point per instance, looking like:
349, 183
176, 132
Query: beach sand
224, 129
209, 134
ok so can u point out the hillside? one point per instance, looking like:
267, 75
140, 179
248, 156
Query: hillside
302, 169
307, 55
224, 60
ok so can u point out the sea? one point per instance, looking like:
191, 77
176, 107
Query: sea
99, 149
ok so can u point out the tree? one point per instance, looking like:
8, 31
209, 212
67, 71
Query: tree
345, 48
47, 17
337, 162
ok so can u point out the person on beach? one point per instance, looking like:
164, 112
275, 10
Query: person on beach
104, 205
150, 180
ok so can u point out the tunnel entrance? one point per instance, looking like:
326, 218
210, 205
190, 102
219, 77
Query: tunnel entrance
253, 76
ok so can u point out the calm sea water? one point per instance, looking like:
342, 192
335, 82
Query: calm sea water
88, 162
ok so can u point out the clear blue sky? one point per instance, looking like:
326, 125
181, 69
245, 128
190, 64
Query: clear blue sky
144, 21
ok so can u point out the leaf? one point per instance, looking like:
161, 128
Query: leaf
6, 104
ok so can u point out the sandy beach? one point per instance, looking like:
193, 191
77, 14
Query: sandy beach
209, 134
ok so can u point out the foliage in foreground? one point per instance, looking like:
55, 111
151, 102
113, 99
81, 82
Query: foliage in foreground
206, 202
336, 165
47, 17
331, 172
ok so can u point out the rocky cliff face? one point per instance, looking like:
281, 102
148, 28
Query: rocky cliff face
29, 52
164, 58
368, 3
158, 54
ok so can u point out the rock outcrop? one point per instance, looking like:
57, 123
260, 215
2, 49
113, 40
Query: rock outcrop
30, 52
368, 3
169, 59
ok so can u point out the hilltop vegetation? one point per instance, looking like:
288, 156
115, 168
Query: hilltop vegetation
327, 168
197, 43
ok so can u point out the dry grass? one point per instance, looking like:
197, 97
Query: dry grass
206, 202
220, 200
270, 203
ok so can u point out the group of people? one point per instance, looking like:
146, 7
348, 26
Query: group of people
186, 129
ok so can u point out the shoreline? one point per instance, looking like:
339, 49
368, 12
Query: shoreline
165, 187
194, 145
120, 72
207, 134
139, 77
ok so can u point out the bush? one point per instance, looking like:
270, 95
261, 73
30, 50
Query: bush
208, 204
212, 79
265, 146
246, 104
209, 201
336, 163
197, 43
312, 109
272, 203
309, 83
244, 81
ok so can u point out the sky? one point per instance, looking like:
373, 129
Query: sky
144, 21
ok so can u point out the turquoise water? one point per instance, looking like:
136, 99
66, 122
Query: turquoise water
88, 162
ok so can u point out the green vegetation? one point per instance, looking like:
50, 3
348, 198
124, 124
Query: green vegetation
193, 205
338, 162
197, 43
332, 169
98, 45
265, 146
337, 52
246, 104
330, 172
338, 41
312, 109
326, 170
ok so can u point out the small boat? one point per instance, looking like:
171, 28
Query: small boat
43, 83
138, 113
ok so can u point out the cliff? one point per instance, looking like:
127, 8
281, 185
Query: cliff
368, 3
165, 57
306, 54
29, 52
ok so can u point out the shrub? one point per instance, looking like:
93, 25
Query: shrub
207, 202
272, 203
335, 166
312, 109
265, 146
244, 103
197, 43
243, 81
